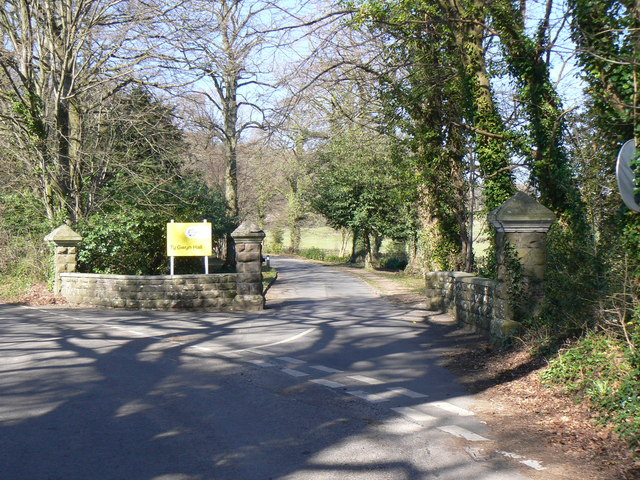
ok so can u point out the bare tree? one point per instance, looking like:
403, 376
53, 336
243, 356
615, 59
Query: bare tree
59, 61
227, 47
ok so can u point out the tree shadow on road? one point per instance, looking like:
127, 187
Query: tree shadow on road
89, 394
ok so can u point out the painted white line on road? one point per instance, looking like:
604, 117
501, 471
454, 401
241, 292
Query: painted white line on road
509, 454
294, 373
256, 351
462, 412
363, 379
327, 383
262, 363
322, 368
291, 360
536, 465
407, 393
387, 395
286, 340
460, 432
369, 397
416, 415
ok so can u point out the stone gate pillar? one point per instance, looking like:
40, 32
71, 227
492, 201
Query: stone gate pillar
248, 240
521, 225
65, 242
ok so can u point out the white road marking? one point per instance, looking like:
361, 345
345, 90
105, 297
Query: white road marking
509, 454
416, 415
294, 373
327, 383
256, 352
286, 340
407, 393
363, 379
291, 360
322, 368
262, 363
451, 408
460, 432
369, 397
536, 465
387, 395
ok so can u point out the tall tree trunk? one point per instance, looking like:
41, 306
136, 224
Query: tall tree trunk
230, 111
354, 247
375, 250
366, 238
492, 149
344, 234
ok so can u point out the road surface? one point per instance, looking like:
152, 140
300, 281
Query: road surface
329, 382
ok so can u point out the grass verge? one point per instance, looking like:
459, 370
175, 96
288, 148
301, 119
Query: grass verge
269, 275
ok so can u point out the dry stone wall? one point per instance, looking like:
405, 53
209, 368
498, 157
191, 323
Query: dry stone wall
241, 291
477, 302
521, 225
155, 292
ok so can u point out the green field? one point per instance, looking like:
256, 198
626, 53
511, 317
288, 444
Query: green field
324, 238
330, 240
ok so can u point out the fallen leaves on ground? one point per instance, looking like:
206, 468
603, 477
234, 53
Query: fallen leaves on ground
40, 295
540, 421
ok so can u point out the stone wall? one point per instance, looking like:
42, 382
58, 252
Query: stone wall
521, 225
474, 301
155, 292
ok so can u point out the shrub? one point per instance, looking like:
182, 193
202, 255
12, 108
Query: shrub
333, 258
602, 369
132, 239
573, 283
313, 253
274, 242
25, 258
123, 243
393, 263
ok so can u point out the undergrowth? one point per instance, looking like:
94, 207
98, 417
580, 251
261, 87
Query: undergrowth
603, 370
25, 261
315, 253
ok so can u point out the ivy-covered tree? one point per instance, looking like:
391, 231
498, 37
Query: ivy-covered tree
440, 97
607, 36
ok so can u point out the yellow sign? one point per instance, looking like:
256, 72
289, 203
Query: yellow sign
189, 239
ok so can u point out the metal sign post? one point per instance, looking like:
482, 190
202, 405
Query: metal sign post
171, 262
206, 257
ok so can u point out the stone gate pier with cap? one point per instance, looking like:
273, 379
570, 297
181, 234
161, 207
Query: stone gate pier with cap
240, 291
488, 305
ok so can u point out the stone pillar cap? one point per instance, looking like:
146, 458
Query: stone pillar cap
63, 235
521, 213
248, 231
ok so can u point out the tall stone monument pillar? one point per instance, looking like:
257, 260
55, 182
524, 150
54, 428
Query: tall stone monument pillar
521, 225
65, 242
248, 239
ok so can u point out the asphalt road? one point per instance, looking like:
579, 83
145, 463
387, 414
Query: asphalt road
330, 382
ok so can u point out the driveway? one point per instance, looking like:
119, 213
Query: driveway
330, 382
